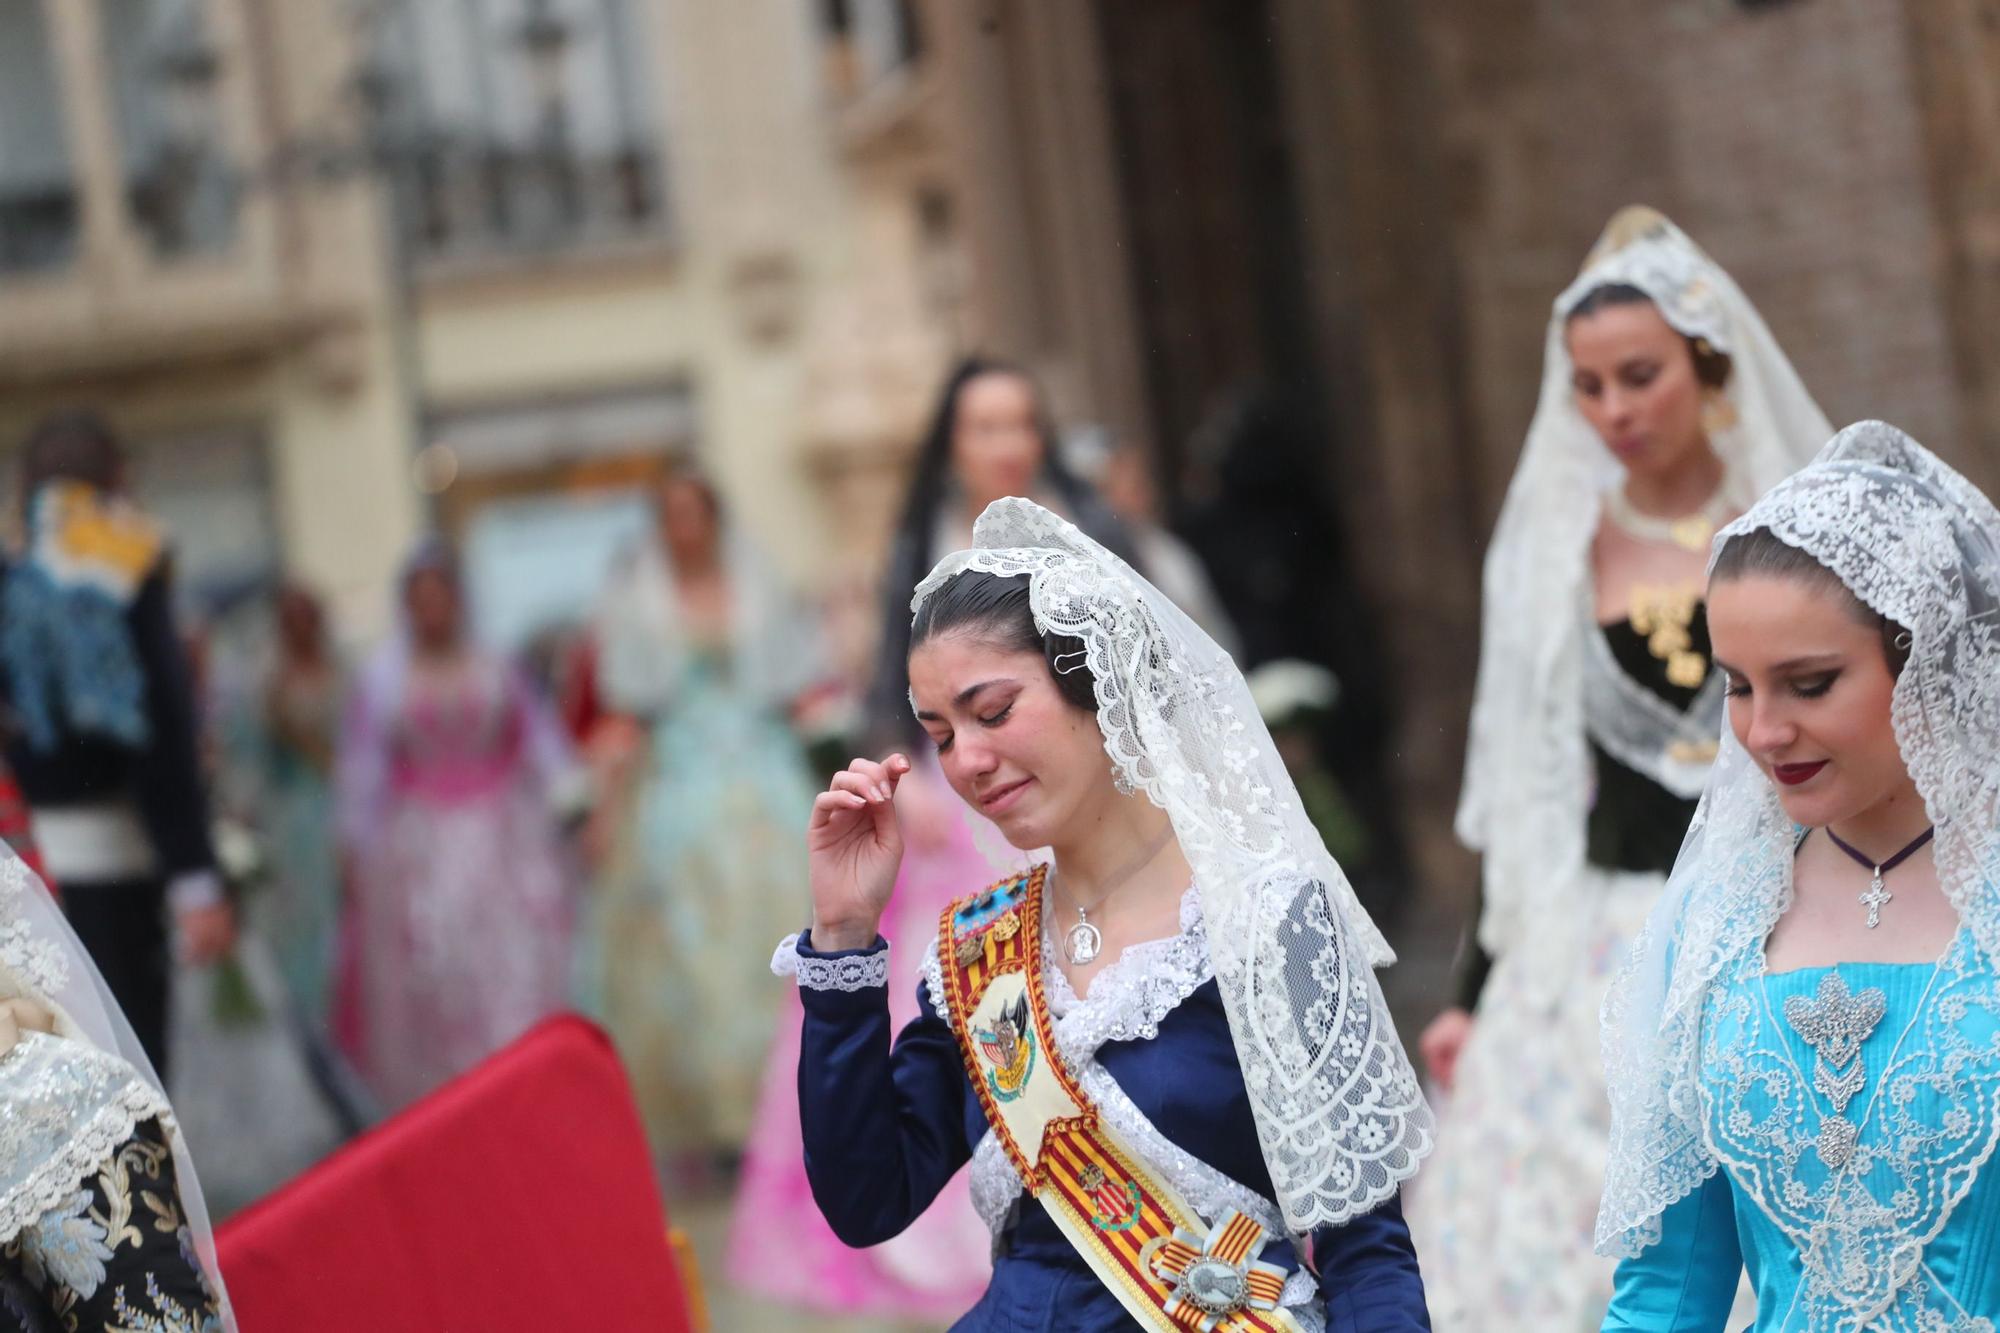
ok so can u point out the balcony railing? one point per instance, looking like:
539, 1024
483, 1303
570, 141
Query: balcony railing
185, 202
458, 200
131, 237
519, 126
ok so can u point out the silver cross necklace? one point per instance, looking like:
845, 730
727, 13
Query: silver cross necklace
1877, 895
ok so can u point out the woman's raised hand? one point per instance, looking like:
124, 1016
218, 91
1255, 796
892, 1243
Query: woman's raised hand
853, 848
1441, 1043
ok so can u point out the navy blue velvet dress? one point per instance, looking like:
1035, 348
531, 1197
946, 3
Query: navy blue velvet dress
884, 1131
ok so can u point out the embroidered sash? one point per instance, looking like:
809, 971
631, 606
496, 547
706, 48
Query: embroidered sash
1137, 1234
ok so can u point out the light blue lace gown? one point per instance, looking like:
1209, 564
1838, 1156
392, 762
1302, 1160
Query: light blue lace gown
1853, 1111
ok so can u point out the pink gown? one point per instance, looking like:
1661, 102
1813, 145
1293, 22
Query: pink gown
457, 936
779, 1246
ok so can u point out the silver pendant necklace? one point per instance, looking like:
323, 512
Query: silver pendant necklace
1083, 942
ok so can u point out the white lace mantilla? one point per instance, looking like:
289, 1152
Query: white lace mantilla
852, 972
1919, 545
1527, 774
30, 955
64, 1107
67, 1100
1340, 1115
1128, 1000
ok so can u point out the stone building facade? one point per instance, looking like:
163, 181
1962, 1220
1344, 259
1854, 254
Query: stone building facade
346, 271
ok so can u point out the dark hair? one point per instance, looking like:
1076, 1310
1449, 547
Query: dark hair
686, 474
432, 555
932, 477
997, 611
911, 555
1711, 366
1764, 554
294, 593
73, 445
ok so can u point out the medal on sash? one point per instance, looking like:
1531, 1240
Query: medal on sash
1173, 1273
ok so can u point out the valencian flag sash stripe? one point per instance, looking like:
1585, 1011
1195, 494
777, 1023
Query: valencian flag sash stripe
1137, 1234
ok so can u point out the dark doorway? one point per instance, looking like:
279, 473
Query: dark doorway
1211, 216
1246, 446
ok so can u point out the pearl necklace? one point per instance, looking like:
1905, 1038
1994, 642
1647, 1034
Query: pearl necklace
1690, 532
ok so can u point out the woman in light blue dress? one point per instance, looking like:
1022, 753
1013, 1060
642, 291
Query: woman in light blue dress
295, 734
700, 655
1804, 1047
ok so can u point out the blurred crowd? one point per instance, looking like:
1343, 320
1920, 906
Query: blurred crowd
323, 878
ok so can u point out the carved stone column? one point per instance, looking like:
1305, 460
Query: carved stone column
1956, 47
1384, 288
1024, 123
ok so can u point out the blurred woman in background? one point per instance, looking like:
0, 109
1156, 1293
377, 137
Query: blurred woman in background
990, 436
300, 713
699, 655
454, 781
1666, 408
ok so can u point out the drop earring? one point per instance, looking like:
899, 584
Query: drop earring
1717, 412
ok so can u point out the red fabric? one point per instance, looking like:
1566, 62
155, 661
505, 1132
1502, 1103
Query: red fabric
15, 829
576, 695
518, 1197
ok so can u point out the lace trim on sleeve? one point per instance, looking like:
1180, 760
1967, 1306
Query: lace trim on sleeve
853, 972
1301, 1298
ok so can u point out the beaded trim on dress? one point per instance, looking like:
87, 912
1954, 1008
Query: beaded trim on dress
1918, 1139
69, 1106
